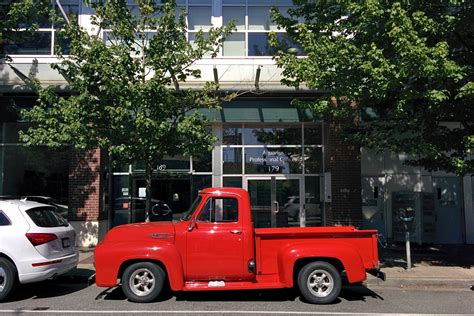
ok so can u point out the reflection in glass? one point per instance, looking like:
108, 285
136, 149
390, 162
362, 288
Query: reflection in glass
273, 136
313, 160
313, 135
258, 45
203, 163
199, 18
34, 171
234, 13
38, 43
199, 183
232, 136
10, 133
232, 182
260, 202
177, 163
287, 195
313, 204
264, 160
232, 160
234, 45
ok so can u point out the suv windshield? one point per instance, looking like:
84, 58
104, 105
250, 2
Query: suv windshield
46, 217
192, 209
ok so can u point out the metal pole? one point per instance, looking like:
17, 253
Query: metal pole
407, 246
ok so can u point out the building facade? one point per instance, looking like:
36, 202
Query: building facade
296, 167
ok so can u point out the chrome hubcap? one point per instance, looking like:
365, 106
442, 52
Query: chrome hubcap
320, 283
3, 279
142, 282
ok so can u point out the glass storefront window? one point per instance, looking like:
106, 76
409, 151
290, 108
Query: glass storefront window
313, 135
199, 18
38, 43
264, 160
234, 45
199, 183
313, 204
313, 160
203, 163
10, 134
234, 13
233, 182
273, 136
232, 160
232, 136
258, 45
177, 163
34, 171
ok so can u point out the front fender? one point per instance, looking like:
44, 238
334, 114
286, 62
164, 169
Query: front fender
350, 259
109, 257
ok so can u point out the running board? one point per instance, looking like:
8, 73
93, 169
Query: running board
230, 285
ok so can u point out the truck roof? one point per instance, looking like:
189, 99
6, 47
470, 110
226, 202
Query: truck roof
228, 190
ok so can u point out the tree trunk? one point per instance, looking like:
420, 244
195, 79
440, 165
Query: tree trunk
148, 176
110, 192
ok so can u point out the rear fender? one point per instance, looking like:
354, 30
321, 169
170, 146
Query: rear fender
110, 258
350, 259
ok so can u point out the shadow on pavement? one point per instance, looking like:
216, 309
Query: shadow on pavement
348, 293
394, 255
46, 289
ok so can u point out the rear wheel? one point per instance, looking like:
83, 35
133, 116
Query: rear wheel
142, 282
8, 278
319, 282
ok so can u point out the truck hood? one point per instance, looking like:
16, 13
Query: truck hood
142, 231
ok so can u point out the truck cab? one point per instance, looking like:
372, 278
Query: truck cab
214, 246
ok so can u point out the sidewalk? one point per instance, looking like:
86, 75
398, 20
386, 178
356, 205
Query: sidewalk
447, 266
433, 266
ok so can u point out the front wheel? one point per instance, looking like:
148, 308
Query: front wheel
319, 282
142, 282
8, 278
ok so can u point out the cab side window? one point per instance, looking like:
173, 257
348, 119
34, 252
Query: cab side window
4, 221
220, 210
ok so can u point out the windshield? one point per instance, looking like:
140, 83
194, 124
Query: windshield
192, 209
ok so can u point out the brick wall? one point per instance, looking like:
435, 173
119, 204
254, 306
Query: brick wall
84, 185
343, 161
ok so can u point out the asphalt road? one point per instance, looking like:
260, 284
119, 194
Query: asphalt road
59, 298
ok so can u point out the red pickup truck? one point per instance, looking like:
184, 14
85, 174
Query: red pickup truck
214, 246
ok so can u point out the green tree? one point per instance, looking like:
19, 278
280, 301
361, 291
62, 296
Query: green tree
125, 80
406, 67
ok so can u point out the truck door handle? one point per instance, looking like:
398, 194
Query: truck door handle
235, 231
277, 207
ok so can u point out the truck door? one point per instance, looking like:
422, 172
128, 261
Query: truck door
215, 242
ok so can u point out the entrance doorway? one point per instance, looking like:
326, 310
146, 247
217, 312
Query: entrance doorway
175, 191
275, 201
448, 206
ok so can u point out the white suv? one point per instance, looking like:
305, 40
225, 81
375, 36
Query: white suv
36, 244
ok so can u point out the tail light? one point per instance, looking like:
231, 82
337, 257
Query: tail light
38, 238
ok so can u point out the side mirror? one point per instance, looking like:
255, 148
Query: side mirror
192, 225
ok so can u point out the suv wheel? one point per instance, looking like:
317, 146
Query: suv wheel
8, 278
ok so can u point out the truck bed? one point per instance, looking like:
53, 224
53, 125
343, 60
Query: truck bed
274, 243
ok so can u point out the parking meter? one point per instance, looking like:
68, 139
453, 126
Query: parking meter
407, 216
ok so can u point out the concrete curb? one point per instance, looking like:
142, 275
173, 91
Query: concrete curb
440, 283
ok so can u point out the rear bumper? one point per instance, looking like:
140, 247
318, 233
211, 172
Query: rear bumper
378, 274
31, 274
